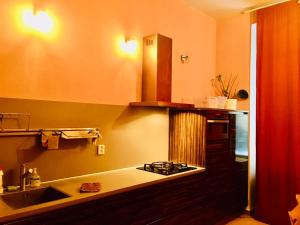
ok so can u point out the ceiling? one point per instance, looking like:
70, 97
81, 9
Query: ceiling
227, 8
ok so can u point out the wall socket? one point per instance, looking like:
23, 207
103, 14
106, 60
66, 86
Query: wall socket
101, 149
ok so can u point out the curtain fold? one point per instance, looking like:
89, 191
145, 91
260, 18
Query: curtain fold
278, 112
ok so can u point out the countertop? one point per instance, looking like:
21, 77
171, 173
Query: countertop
184, 107
112, 182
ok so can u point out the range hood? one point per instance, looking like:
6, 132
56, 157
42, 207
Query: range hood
157, 73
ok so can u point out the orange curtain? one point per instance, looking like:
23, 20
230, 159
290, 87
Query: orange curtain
278, 112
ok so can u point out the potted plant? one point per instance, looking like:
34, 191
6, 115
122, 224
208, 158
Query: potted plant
226, 88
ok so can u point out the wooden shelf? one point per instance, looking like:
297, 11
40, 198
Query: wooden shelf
214, 110
162, 104
184, 106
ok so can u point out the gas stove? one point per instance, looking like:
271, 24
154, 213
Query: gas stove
166, 168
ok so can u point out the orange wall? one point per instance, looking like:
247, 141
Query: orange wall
233, 51
83, 62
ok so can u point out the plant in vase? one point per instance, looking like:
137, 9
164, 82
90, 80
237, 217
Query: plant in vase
225, 88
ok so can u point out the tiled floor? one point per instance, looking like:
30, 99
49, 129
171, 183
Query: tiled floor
245, 220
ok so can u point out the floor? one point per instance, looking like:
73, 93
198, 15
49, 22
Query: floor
245, 220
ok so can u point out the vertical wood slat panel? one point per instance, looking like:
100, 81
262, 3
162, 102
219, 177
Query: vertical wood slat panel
187, 137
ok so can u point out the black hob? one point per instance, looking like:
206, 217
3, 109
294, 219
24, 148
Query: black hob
166, 168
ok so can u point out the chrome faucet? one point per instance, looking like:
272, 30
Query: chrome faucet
23, 175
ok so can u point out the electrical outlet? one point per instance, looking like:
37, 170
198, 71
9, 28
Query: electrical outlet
101, 150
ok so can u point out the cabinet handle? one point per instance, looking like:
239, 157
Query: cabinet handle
218, 121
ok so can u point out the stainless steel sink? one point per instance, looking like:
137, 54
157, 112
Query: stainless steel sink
32, 197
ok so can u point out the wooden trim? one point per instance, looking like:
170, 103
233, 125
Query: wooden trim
162, 104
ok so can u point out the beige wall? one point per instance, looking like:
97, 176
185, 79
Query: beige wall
132, 136
83, 62
233, 51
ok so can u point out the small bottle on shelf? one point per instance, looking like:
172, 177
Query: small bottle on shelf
35, 180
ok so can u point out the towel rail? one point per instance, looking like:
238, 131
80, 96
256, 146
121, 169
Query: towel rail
18, 124
94, 132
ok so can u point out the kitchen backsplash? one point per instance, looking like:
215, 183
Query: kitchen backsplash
132, 136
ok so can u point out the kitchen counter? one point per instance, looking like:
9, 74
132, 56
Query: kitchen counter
185, 107
112, 182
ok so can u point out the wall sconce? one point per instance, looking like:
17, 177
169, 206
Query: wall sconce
38, 5
37, 19
184, 58
130, 45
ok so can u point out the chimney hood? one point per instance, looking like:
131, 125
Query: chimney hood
157, 73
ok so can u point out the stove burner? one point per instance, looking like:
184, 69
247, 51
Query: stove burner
166, 168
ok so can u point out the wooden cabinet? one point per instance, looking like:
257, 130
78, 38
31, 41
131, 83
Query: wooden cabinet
200, 199
223, 134
185, 200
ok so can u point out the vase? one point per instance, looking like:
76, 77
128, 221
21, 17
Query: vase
221, 102
211, 102
231, 104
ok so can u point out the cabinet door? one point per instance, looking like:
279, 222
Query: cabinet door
218, 155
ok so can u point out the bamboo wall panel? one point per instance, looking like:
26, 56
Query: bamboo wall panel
187, 137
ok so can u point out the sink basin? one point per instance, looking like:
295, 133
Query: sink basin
32, 197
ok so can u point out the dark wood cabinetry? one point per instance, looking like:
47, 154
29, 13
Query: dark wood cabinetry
190, 200
227, 171
225, 153
200, 199
181, 201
